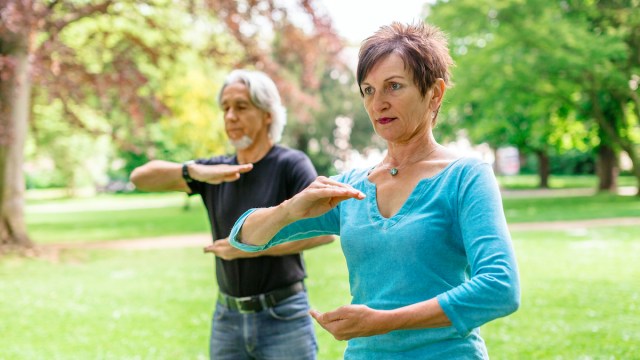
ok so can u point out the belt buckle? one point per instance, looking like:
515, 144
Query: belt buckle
245, 304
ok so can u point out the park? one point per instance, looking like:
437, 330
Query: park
92, 268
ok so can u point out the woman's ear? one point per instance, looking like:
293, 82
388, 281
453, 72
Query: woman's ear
438, 93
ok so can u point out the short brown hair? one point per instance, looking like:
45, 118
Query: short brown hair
422, 47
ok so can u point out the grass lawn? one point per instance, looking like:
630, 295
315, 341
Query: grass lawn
527, 182
579, 301
579, 297
570, 208
112, 217
579, 293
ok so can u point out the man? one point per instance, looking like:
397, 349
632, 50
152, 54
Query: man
262, 309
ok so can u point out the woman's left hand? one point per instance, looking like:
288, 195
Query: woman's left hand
351, 321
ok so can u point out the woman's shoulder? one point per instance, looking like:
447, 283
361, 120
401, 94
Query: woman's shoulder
463, 166
354, 177
468, 162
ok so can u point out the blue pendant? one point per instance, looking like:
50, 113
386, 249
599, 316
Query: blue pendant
393, 171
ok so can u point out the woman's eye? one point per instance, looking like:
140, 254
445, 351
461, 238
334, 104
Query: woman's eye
395, 86
368, 90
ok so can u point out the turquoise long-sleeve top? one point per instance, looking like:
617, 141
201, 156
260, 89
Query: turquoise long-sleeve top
449, 240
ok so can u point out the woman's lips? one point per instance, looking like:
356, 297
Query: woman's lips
385, 120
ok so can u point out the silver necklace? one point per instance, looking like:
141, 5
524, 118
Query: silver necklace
394, 170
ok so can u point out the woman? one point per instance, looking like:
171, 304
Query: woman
424, 234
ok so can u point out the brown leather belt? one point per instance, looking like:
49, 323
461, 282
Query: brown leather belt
256, 303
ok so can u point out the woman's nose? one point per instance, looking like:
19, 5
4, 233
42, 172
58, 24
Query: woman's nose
380, 102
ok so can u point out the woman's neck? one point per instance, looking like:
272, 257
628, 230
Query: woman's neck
404, 154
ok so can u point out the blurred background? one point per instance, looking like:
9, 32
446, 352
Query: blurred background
546, 91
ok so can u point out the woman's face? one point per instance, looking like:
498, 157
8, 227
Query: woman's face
394, 104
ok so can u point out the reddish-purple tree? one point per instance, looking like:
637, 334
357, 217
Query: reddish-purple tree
33, 55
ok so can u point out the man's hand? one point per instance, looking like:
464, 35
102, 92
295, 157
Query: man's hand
216, 174
222, 249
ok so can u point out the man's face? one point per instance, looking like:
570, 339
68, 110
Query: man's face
244, 123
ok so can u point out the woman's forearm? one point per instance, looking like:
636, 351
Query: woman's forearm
263, 224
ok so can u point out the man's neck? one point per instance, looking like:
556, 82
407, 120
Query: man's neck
255, 152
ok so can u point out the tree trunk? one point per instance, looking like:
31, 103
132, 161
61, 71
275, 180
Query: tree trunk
15, 94
625, 142
607, 169
544, 168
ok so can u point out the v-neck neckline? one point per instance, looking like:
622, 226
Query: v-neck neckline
372, 199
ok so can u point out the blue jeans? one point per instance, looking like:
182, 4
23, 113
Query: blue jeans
283, 332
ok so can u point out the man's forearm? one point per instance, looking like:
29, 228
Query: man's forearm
159, 175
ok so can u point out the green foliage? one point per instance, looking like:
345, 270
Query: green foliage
340, 100
569, 162
528, 71
137, 87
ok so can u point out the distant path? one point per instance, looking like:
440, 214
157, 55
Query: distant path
202, 240
623, 190
161, 242
574, 224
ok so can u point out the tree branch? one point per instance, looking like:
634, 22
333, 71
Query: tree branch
79, 14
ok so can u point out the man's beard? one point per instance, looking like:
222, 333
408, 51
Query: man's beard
242, 143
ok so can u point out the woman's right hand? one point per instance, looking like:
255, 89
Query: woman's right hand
318, 198
321, 196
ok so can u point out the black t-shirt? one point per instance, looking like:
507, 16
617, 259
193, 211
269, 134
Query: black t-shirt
278, 176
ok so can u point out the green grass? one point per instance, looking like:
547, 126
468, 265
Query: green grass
154, 304
570, 208
112, 217
579, 298
107, 305
579, 301
132, 216
527, 182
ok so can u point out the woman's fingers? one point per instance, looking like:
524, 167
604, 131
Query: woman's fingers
327, 187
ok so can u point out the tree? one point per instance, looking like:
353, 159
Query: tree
610, 95
304, 62
105, 63
33, 49
531, 68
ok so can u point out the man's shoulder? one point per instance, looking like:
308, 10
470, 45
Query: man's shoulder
281, 150
285, 153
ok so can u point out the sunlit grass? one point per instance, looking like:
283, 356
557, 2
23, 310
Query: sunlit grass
570, 208
114, 217
579, 299
107, 305
527, 182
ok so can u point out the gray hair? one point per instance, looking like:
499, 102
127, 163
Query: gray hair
264, 95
